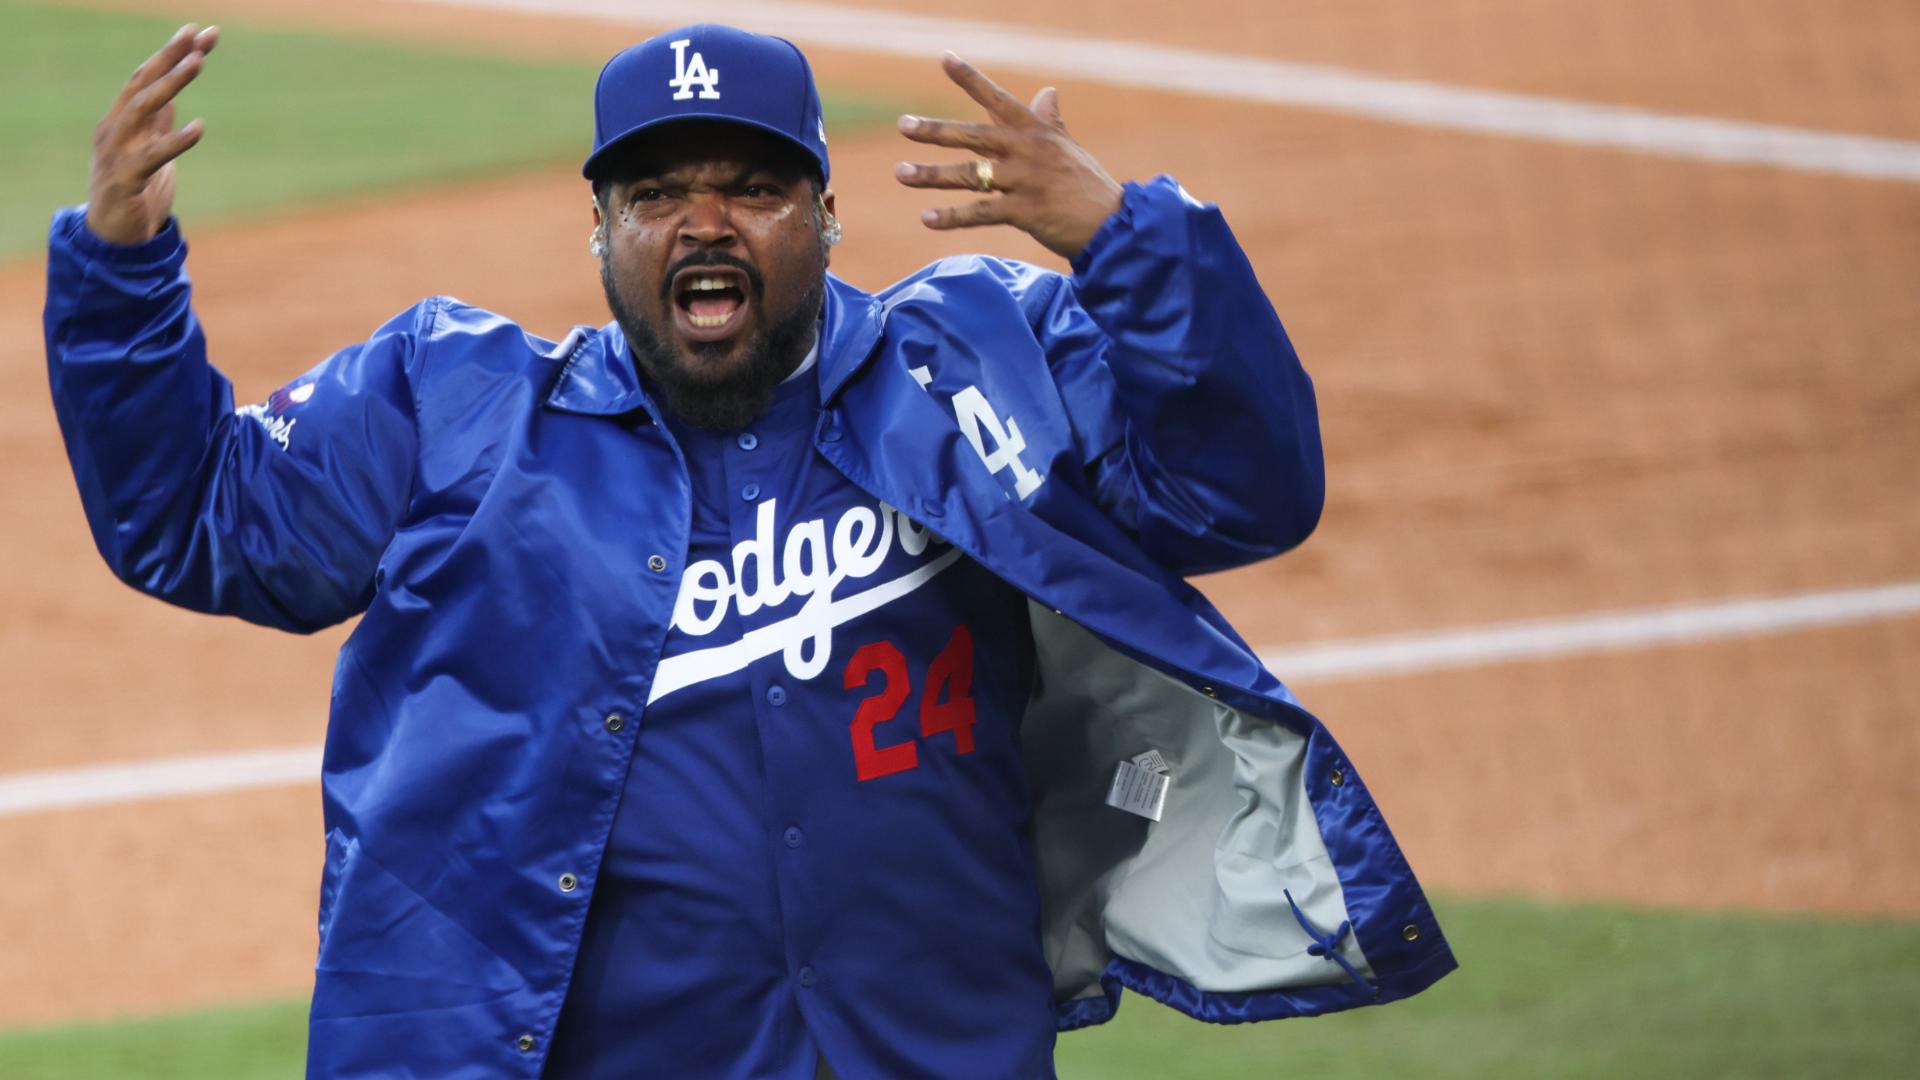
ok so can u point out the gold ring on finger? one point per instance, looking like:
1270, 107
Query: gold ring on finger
982, 174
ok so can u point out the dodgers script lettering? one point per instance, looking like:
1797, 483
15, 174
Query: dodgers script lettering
810, 562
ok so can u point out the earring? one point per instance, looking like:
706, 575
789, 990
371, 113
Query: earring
596, 244
832, 232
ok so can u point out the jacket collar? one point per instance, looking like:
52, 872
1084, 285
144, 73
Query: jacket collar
599, 378
849, 332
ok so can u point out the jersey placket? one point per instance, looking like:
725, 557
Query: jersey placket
772, 461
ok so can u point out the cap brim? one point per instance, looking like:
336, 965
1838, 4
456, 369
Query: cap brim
632, 135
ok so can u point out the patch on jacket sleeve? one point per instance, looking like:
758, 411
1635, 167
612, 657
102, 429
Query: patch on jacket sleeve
272, 415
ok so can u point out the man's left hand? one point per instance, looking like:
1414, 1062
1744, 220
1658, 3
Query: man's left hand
1037, 178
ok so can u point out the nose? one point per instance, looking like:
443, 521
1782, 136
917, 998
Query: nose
708, 222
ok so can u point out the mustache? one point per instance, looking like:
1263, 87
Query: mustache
712, 257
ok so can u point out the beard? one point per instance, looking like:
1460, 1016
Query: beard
696, 387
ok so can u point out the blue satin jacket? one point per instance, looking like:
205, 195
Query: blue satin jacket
508, 516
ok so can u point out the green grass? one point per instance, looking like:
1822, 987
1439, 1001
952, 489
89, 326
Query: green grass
1587, 991
292, 118
256, 1042
1544, 991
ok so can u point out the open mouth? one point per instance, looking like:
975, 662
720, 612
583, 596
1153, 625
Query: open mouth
710, 301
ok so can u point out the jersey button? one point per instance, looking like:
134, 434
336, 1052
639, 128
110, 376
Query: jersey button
807, 977
568, 883
747, 440
776, 695
656, 563
750, 492
793, 836
615, 722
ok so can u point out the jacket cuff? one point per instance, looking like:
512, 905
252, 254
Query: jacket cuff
1135, 199
70, 228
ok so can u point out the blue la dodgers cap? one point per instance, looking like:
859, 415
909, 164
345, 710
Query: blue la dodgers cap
707, 72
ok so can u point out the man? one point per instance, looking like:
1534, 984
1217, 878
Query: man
781, 677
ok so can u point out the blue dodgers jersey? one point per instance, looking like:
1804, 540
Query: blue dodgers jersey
839, 692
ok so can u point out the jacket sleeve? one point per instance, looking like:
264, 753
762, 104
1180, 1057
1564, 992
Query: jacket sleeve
1196, 416
277, 513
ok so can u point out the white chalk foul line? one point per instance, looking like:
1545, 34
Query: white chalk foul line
1273, 82
1397, 654
135, 781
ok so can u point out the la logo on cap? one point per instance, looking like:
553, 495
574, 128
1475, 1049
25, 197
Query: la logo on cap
686, 74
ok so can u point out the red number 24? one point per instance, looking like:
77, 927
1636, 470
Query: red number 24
946, 703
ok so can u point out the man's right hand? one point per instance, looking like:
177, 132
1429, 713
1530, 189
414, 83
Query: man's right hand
130, 188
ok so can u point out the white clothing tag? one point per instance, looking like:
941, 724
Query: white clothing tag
1138, 791
1151, 761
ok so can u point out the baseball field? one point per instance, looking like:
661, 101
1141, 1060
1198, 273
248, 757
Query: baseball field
1612, 311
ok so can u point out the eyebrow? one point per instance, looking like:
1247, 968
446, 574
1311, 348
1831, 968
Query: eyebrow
656, 172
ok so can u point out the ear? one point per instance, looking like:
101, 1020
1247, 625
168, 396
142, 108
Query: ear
829, 228
595, 203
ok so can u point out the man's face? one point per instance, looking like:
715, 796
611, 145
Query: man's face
715, 265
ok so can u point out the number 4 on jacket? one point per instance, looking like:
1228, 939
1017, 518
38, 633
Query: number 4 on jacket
978, 422
946, 703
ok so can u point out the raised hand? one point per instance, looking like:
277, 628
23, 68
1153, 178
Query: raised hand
1035, 176
130, 187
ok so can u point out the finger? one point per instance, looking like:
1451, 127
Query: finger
161, 92
156, 154
999, 104
1046, 107
161, 62
959, 175
967, 216
979, 138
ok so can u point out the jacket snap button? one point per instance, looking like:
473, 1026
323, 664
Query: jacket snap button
748, 440
1411, 932
1210, 691
1339, 777
524, 1042
615, 722
656, 563
793, 836
568, 883
807, 977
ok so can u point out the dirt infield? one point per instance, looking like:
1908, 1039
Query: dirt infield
1553, 380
